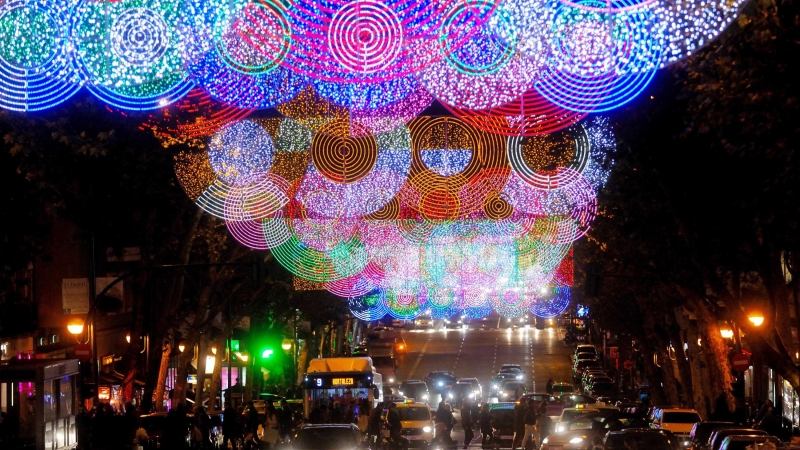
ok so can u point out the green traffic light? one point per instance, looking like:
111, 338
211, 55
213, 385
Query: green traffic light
267, 353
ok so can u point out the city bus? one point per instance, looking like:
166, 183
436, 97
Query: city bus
343, 380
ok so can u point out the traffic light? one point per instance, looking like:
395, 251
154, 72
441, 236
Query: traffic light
267, 353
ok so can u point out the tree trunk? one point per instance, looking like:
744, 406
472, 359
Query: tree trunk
202, 353
163, 369
184, 362
216, 376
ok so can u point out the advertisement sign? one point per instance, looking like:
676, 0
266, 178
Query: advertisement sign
75, 295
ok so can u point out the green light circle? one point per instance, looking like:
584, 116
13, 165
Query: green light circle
28, 37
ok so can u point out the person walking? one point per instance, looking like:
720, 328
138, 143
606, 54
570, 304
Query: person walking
230, 426
449, 421
530, 423
286, 419
549, 387
374, 426
467, 422
543, 427
486, 425
271, 427
519, 424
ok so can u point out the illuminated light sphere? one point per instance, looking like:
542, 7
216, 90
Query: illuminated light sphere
478, 312
510, 302
369, 307
374, 40
234, 50
548, 202
601, 60
487, 71
608, 6
256, 196
366, 96
35, 64
249, 233
404, 306
275, 231
241, 150
554, 302
365, 36
344, 260
129, 55
528, 115
343, 152
693, 23
354, 286
540, 160
390, 116
194, 172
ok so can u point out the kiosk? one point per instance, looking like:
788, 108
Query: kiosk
39, 404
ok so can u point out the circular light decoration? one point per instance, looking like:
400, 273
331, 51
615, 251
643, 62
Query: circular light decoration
551, 302
601, 60
241, 150
365, 36
343, 152
256, 196
369, 307
609, 6
235, 49
529, 115
374, 40
35, 69
693, 23
540, 160
143, 69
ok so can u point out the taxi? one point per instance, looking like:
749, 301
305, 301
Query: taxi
417, 422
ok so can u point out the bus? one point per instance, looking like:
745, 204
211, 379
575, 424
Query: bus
343, 380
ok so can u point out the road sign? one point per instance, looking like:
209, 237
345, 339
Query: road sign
83, 352
628, 365
740, 362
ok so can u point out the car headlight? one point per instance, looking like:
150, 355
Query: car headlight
391, 380
519, 377
544, 441
576, 440
686, 443
424, 396
440, 384
400, 392
559, 428
472, 395
449, 395
505, 394
426, 429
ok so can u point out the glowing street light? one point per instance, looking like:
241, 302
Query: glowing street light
726, 333
75, 327
286, 345
756, 318
181, 346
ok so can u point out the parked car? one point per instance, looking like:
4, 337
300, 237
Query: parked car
719, 435
679, 421
644, 439
563, 388
327, 437
749, 442
701, 431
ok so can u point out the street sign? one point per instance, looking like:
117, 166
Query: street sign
628, 365
740, 362
83, 352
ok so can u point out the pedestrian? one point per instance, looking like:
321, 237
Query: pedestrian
350, 414
449, 420
741, 414
542, 411
374, 427
549, 387
530, 423
722, 412
519, 424
286, 419
336, 413
543, 427
315, 415
229, 426
467, 422
131, 422
440, 413
251, 423
175, 427
363, 416
271, 427
486, 425
394, 425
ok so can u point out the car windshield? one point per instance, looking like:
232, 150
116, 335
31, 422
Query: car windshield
566, 416
414, 413
511, 369
744, 445
414, 389
563, 388
324, 438
513, 385
680, 417
649, 441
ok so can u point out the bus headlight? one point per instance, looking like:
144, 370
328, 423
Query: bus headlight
576, 440
426, 429
449, 395
424, 396
519, 377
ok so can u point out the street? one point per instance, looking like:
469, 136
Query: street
480, 351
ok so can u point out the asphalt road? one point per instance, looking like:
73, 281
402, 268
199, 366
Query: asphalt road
480, 349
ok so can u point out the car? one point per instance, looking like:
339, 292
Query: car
454, 322
327, 437
397, 323
511, 390
585, 348
601, 386
512, 368
563, 388
579, 432
554, 406
719, 435
440, 381
414, 389
421, 322
573, 400
679, 421
749, 442
497, 379
567, 415
701, 431
586, 356
502, 421
475, 384
582, 365
644, 439
387, 367
464, 388
417, 422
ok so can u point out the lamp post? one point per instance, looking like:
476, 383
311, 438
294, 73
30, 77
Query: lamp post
756, 318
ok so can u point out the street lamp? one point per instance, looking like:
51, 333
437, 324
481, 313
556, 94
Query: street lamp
75, 327
756, 318
726, 333
286, 345
182, 346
